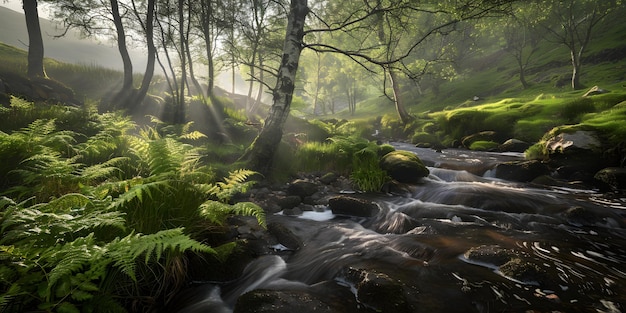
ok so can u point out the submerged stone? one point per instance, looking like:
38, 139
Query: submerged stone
522, 171
523, 271
376, 291
284, 236
489, 254
613, 177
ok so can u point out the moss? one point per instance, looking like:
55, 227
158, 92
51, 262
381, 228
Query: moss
482, 145
424, 138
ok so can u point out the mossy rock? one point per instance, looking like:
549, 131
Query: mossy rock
613, 177
483, 145
404, 166
523, 271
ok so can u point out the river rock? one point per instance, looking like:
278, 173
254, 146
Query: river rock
284, 236
376, 291
521, 171
489, 135
524, 271
329, 178
279, 301
490, 254
569, 143
581, 216
344, 205
514, 145
613, 177
301, 188
404, 166
288, 202
322, 297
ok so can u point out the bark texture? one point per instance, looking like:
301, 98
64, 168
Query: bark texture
35, 40
261, 153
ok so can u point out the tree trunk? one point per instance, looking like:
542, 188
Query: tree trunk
206, 13
317, 85
522, 75
149, 73
127, 85
35, 40
179, 113
576, 71
259, 94
260, 155
405, 117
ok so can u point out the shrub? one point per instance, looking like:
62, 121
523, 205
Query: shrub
366, 172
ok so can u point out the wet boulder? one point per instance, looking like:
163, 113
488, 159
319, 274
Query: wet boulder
572, 143
344, 205
524, 271
284, 236
279, 301
514, 145
404, 166
581, 216
288, 202
301, 188
329, 178
489, 254
322, 297
613, 177
376, 291
521, 171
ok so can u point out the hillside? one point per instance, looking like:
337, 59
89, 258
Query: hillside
71, 48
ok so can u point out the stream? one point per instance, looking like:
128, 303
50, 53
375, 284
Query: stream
574, 239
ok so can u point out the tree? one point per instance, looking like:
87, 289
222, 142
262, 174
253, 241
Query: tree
571, 23
398, 34
35, 40
260, 154
357, 22
116, 19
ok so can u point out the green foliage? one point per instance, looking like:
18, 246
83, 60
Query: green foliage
366, 172
105, 215
352, 156
424, 138
481, 145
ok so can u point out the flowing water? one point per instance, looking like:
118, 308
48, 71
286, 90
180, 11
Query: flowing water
575, 238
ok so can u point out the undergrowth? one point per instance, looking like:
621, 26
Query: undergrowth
97, 215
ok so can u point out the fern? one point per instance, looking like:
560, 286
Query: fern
125, 251
235, 183
217, 212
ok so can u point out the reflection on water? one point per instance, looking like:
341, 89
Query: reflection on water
571, 242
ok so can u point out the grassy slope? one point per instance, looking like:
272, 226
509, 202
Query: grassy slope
524, 114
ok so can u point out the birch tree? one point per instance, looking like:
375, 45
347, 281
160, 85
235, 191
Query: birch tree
261, 153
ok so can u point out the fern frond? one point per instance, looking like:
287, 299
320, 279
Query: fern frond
233, 184
125, 251
66, 203
217, 212
194, 135
71, 258
250, 209
102, 170
137, 193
